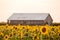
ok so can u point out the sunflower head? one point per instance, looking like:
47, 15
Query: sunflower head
13, 27
35, 37
59, 34
52, 33
6, 37
6, 27
53, 28
44, 30
10, 35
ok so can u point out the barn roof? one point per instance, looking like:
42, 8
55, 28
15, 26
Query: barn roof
28, 16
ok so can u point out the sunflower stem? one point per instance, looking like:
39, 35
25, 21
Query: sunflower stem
41, 36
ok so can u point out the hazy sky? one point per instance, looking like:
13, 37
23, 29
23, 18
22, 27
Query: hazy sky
8, 7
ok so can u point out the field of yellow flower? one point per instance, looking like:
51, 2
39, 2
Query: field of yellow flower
26, 32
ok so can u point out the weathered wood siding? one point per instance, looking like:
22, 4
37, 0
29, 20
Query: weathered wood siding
27, 22
48, 20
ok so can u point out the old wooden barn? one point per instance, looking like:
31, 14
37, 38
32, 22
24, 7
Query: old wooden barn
30, 19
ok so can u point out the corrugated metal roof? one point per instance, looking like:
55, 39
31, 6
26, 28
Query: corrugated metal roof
28, 16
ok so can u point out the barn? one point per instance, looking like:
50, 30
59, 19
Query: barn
30, 19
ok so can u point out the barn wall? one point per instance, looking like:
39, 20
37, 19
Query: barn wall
27, 22
49, 20
35, 22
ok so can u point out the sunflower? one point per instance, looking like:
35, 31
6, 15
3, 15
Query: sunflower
28, 27
53, 28
1, 27
14, 27
57, 29
34, 28
6, 37
52, 34
22, 27
34, 36
1, 34
21, 35
6, 27
11, 34
14, 33
59, 32
44, 29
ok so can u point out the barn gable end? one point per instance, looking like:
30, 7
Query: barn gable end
48, 20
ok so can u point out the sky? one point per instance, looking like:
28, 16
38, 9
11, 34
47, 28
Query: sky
8, 7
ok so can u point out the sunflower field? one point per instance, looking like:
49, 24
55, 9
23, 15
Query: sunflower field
26, 32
